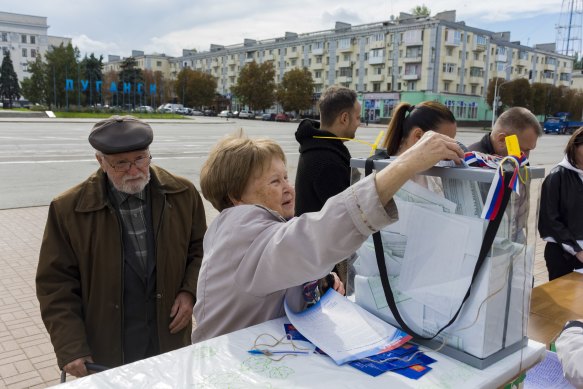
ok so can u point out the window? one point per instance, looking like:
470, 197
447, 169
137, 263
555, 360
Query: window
24, 53
413, 52
449, 67
345, 72
380, 37
293, 62
23, 37
377, 70
411, 85
412, 36
344, 43
4, 37
476, 72
449, 51
474, 88
551, 61
376, 53
294, 49
158, 63
476, 56
346, 57
481, 40
500, 50
33, 53
453, 36
317, 74
318, 59
376, 86
446, 86
500, 66
33, 39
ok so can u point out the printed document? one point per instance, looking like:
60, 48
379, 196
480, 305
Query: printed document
345, 331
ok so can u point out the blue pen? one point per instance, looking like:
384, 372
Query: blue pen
269, 352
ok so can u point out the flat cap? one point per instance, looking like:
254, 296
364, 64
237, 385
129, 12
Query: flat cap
120, 134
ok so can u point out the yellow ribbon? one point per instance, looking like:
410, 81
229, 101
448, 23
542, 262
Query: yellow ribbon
373, 146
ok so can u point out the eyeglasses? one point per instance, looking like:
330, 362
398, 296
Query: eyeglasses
124, 166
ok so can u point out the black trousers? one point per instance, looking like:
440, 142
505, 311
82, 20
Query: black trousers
559, 262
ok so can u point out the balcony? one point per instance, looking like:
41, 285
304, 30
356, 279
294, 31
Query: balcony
344, 79
292, 54
344, 64
476, 79
453, 42
479, 47
501, 57
523, 63
318, 51
376, 60
376, 77
376, 45
346, 49
411, 77
413, 42
449, 76
268, 57
247, 60
317, 65
417, 59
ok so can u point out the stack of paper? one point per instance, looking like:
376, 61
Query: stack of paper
345, 331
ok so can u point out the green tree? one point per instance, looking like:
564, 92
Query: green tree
61, 65
9, 86
521, 93
255, 86
539, 98
35, 87
195, 88
421, 10
296, 90
92, 71
132, 74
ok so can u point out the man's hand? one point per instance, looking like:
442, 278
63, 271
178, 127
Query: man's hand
77, 367
338, 285
579, 256
181, 311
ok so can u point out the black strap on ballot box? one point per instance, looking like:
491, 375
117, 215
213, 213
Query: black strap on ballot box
486, 244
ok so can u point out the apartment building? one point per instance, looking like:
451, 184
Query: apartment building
407, 59
24, 37
154, 62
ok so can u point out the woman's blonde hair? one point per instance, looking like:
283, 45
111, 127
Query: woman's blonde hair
230, 165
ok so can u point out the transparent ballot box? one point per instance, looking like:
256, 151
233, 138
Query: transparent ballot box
431, 255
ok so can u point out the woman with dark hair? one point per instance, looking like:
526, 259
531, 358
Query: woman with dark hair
560, 221
410, 122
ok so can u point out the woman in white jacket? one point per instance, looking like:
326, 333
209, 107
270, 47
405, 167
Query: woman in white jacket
254, 258
570, 352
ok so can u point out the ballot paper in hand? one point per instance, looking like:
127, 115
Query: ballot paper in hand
345, 331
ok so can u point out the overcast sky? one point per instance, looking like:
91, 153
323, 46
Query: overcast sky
168, 26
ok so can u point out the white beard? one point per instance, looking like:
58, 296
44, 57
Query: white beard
131, 184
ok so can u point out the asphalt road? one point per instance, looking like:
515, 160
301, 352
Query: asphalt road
40, 158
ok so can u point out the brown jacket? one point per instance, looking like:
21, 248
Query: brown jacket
79, 280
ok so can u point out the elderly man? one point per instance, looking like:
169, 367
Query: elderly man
120, 256
515, 121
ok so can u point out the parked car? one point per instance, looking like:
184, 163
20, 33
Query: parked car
197, 113
183, 111
268, 117
145, 109
226, 114
246, 115
209, 112
282, 117
236, 114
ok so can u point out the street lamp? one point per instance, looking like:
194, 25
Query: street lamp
495, 101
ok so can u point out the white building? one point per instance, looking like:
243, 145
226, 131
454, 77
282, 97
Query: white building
25, 37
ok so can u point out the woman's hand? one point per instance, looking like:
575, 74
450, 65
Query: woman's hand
338, 285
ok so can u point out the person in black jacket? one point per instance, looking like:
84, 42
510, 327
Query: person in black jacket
515, 121
560, 221
324, 164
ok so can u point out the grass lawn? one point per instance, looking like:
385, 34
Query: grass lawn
103, 115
